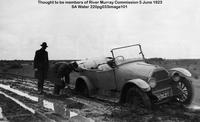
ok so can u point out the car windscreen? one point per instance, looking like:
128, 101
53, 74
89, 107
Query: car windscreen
132, 52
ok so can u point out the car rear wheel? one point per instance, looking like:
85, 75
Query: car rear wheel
137, 99
186, 91
82, 89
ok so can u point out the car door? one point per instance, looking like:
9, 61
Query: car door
106, 80
106, 83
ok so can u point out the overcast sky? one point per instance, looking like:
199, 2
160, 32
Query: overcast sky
170, 30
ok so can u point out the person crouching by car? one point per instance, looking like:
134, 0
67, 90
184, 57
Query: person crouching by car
62, 72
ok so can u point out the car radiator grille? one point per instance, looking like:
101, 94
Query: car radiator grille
162, 79
160, 75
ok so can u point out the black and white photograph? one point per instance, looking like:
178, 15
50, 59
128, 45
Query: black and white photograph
99, 61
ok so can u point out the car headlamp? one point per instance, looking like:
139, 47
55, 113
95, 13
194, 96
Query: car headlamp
176, 77
152, 83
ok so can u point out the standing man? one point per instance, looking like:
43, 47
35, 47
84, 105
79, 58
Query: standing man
41, 65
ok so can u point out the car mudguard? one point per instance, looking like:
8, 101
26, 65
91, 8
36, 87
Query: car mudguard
181, 71
131, 83
87, 82
141, 84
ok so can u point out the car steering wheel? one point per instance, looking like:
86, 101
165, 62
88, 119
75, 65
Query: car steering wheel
120, 57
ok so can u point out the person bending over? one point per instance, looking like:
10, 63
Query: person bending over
62, 72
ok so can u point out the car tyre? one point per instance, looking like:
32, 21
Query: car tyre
82, 89
138, 99
186, 88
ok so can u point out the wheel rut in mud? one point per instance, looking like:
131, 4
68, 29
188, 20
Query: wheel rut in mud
70, 105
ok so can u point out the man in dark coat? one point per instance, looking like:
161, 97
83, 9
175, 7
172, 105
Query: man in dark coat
41, 65
60, 73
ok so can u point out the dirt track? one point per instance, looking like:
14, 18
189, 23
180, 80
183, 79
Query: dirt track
96, 109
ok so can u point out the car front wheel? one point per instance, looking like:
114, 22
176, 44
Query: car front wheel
186, 91
137, 99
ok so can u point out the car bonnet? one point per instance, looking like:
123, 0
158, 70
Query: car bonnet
138, 68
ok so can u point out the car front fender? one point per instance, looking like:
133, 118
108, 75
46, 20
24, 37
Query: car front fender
181, 71
131, 83
141, 84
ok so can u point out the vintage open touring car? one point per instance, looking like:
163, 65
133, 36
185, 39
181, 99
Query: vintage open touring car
132, 80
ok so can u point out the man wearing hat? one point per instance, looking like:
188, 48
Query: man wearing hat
41, 65
61, 73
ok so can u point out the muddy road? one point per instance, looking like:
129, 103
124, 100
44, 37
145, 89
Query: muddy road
72, 107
